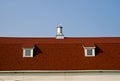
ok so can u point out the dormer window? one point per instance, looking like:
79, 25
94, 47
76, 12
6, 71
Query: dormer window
89, 51
27, 52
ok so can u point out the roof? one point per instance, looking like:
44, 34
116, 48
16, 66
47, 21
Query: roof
60, 54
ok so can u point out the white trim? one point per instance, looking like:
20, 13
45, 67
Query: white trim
91, 48
61, 71
31, 52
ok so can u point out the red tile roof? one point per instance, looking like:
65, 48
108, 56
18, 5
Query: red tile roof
60, 54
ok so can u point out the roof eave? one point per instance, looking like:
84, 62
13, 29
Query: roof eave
61, 71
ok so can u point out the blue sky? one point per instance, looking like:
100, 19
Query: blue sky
79, 18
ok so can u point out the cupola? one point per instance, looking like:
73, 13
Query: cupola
59, 32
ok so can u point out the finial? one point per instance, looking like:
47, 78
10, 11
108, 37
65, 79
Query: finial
59, 25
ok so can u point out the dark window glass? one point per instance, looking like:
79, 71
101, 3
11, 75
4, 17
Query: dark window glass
89, 51
27, 52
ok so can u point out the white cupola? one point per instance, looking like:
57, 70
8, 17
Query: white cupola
59, 32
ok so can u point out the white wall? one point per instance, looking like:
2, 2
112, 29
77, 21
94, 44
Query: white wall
59, 76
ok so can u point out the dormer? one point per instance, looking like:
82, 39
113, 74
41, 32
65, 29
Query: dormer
89, 51
28, 50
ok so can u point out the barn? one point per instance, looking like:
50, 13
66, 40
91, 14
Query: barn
60, 58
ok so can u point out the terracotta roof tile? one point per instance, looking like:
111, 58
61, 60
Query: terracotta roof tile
66, 54
28, 45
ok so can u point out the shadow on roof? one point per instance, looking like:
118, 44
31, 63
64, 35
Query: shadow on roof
98, 50
36, 51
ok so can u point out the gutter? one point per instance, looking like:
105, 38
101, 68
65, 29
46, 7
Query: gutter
61, 71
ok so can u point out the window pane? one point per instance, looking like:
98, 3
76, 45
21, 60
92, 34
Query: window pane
89, 51
27, 52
